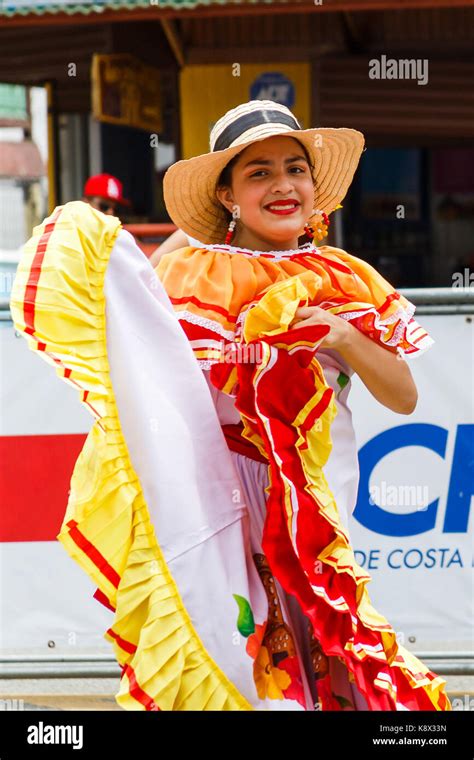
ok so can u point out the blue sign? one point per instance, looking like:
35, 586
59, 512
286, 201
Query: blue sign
461, 485
273, 86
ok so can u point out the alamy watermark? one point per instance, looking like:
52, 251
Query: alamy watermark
41, 733
463, 279
7, 703
241, 353
386, 495
467, 703
403, 68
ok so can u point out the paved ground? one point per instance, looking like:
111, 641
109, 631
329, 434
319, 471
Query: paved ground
98, 693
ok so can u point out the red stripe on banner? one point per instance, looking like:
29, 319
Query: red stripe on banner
93, 553
137, 692
34, 484
35, 272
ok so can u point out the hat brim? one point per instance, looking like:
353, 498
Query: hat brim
189, 185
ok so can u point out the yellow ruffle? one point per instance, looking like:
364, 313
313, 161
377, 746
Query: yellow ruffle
107, 527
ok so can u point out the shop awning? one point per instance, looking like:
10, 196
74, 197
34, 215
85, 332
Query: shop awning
21, 160
12, 8
41, 7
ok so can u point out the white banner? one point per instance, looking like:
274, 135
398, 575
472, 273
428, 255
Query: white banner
412, 527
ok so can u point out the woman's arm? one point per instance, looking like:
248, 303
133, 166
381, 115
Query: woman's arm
176, 240
385, 374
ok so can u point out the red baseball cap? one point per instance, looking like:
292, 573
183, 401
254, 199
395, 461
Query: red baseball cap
106, 186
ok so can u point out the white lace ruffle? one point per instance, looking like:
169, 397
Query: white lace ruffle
401, 314
405, 318
307, 248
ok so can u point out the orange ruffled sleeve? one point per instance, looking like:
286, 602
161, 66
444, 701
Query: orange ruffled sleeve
380, 310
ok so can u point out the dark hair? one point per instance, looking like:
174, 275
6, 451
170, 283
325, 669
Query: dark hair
225, 177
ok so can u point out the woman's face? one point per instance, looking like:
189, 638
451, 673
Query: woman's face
271, 170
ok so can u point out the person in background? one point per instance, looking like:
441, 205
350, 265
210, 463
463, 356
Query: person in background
104, 192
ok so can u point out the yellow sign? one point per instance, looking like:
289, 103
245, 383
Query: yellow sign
126, 91
208, 91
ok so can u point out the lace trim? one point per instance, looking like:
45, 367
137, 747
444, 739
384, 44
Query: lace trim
209, 324
306, 248
241, 318
402, 315
406, 320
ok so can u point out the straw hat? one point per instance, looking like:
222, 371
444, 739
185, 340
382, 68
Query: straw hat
189, 186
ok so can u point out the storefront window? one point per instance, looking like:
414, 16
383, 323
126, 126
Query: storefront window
387, 219
410, 214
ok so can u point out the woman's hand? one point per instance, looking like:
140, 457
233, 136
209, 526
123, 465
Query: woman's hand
339, 334
384, 373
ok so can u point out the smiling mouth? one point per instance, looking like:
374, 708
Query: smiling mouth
283, 209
